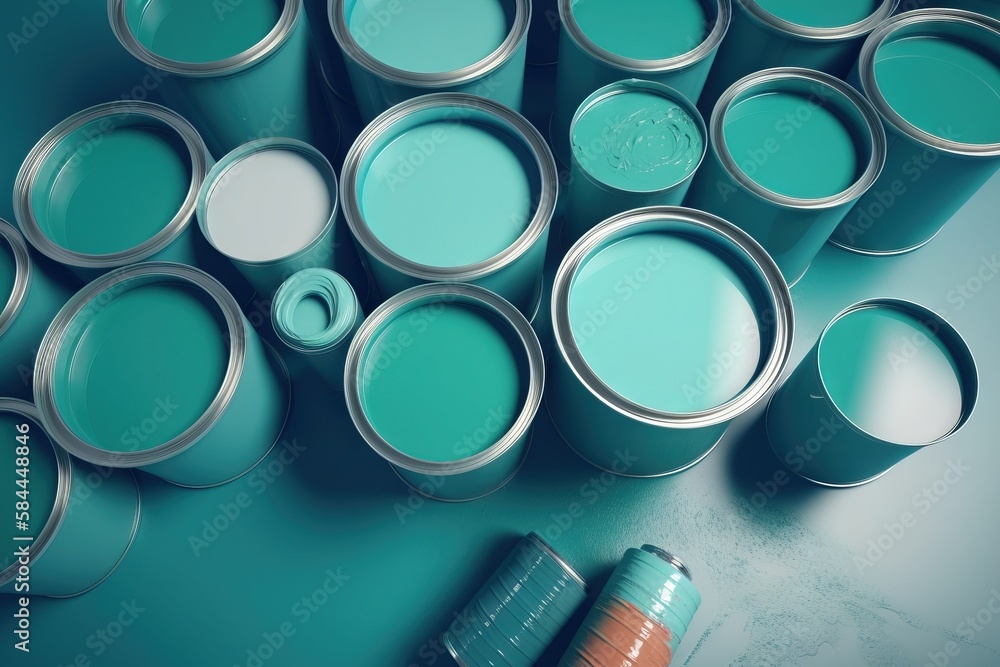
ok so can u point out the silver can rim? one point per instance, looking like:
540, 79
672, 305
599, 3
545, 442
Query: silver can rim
516, 36
147, 272
271, 42
632, 85
30, 169
834, 34
870, 87
537, 540
220, 171
750, 255
958, 347
464, 293
22, 275
876, 134
723, 16
520, 128
671, 559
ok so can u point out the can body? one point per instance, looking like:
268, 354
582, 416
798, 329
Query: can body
543, 38
931, 169
987, 7
93, 521
207, 431
519, 610
331, 59
379, 85
813, 423
748, 182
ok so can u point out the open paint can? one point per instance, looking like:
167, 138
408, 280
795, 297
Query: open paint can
793, 150
452, 188
635, 144
399, 49
668, 324
443, 381
239, 71
603, 41
29, 299
155, 367
825, 36
886, 379
944, 135
517, 614
316, 313
81, 521
270, 206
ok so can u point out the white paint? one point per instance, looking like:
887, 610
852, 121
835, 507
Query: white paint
268, 205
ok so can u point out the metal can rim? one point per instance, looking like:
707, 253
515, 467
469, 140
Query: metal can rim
22, 275
520, 129
537, 540
834, 34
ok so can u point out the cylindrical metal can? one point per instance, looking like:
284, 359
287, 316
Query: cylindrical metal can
155, 367
668, 324
944, 135
237, 72
516, 615
400, 49
30, 298
316, 313
825, 36
270, 206
641, 615
452, 188
603, 41
634, 144
82, 519
443, 381
793, 150
886, 379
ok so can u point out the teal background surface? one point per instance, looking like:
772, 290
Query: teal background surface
884, 574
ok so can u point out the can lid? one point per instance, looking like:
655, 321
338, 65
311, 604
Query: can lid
315, 310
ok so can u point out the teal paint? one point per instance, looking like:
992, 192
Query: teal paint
635, 144
821, 15
271, 206
200, 32
467, 201
452, 188
987, 7
793, 150
519, 611
82, 528
316, 313
643, 30
962, 97
693, 310
668, 323
395, 51
108, 196
886, 378
429, 36
210, 400
944, 136
443, 381
474, 372
672, 43
817, 158
8, 272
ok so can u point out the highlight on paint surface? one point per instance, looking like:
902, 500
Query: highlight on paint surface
643, 30
315, 310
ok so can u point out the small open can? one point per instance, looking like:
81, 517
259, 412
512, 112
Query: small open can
399, 49
793, 150
603, 41
270, 207
30, 298
668, 324
239, 71
886, 378
517, 613
944, 135
443, 381
155, 367
82, 519
825, 36
634, 144
452, 188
